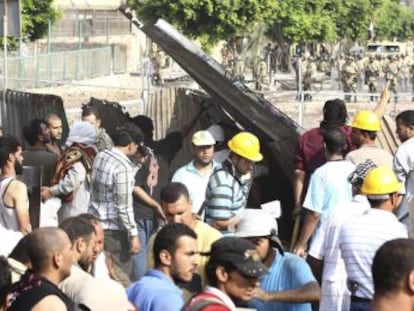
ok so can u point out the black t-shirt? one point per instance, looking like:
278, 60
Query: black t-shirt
141, 210
31, 289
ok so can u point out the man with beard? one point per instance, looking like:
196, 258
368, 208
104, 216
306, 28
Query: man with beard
196, 174
404, 165
37, 135
112, 183
175, 255
83, 238
50, 254
54, 124
14, 203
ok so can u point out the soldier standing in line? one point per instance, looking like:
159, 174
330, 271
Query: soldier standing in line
308, 77
412, 80
261, 74
372, 74
392, 71
405, 72
340, 62
349, 78
360, 63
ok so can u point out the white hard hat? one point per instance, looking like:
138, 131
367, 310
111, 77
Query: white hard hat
217, 132
203, 138
256, 223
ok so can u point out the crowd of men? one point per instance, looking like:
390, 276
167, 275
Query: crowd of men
131, 235
355, 71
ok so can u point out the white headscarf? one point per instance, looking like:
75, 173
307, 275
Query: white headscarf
81, 132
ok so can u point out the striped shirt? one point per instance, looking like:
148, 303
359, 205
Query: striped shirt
324, 246
359, 240
226, 194
111, 191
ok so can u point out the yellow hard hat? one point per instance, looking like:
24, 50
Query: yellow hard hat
367, 120
246, 145
381, 180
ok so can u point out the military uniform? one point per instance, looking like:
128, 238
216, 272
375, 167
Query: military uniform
308, 77
372, 73
349, 78
262, 72
391, 74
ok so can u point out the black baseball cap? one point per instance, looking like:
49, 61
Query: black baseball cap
239, 252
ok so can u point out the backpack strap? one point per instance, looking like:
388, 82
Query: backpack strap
202, 300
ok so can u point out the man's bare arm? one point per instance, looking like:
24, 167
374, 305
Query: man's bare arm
298, 184
18, 192
311, 220
310, 292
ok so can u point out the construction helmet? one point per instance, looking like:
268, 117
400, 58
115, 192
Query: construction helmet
380, 181
366, 120
246, 145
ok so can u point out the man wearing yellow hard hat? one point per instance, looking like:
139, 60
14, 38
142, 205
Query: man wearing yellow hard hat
362, 236
229, 184
365, 126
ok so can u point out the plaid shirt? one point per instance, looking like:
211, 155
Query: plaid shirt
111, 191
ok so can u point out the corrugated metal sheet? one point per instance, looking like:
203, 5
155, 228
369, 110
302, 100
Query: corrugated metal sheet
22, 107
252, 111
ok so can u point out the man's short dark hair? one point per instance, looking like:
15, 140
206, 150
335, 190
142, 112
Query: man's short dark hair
167, 237
88, 110
8, 145
90, 218
392, 264
335, 141
77, 227
334, 114
211, 267
406, 117
34, 129
172, 191
5, 280
126, 134
42, 244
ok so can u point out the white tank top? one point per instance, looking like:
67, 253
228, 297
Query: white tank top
8, 216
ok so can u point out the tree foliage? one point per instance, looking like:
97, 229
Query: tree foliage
291, 21
36, 15
208, 20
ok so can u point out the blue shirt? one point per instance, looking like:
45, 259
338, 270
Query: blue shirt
195, 182
328, 186
155, 292
286, 272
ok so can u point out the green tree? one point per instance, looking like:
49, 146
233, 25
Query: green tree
36, 15
301, 21
208, 20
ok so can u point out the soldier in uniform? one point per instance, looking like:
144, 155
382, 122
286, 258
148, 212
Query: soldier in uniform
405, 65
392, 71
360, 63
261, 74
349, 77
308, 77
412, 79
372, 73
324, 65
340, 62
